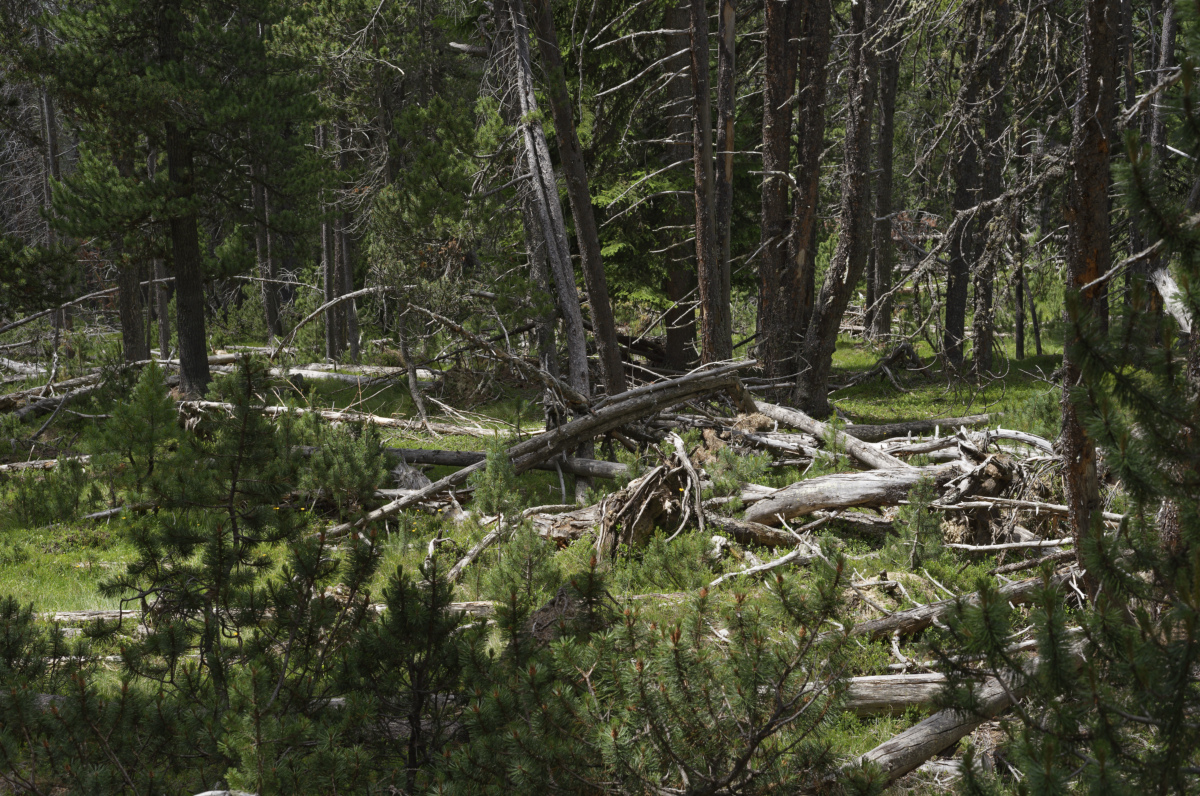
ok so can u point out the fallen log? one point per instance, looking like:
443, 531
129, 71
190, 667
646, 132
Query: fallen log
627, 407
914, 619
22, 367
858, 449
592, 468
54, 402
878, 488
41, 464
1034, 563
882, 431
994, 548
340, 416
891, 694
905, 752
747, 533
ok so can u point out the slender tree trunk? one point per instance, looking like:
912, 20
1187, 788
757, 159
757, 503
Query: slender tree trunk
1089, 252
965, 173
726, 97
775, 345
161, 291
535, 250
587, 235
262, 248
983, 326
134, 344
51, 172
880, 322
194, 374
850, 256
549, 210
812, 65
680, 284
329, 275
716, 328
345, 254
1019, 312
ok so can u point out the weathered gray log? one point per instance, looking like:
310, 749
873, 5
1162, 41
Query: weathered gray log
844, 490
525, 455
880, 432
592, 468
915, 619
902, 753
861, 451
41, 464
892, 693
54, 402
347, 417
745, 533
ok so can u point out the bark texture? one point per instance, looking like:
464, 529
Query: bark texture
879, 320
850, 256
716, 325
587, 235
1089, 251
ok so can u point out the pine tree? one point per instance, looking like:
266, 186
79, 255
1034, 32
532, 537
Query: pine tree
1112, 702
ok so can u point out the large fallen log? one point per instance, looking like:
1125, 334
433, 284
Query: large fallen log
592, 468
880, 432
892, 693
340, 416
618, 411
878, 488
915, 619
905, 752
41, 464
859, 450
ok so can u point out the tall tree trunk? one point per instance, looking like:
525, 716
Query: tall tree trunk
549, 211
680, 283
350, 307
51, 173
329, 276
726, 98
1158, 127
1089, 252
775, 346
965, 173
262, 246
983, 325
716, 326
194, 374
161, 290
880, 321
539, 272
1019, 310
812, 64
854, 240
587, 236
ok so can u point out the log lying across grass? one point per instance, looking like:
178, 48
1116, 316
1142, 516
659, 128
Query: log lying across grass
862, 451
592, 468
877, 488
880, 432
608, 415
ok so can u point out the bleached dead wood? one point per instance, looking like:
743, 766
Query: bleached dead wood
892, 693
41, 464
593, 468
995, 548
346, 417
862, 451
630, 406
877, 488
902, 753
915, 619
1030, 505
22, 367
877, 433
483, 544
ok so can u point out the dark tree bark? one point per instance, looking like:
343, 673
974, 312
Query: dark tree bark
1089, 251
680, 283
850, 256
1019, 310
775, 346
716, 326
160, 290
812, 64
879, 321
194, 374
726, 97
546, 203
965, 173
134, 344
587, 235
50, 152
983, 326
346, 272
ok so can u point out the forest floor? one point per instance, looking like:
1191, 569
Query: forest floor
59, 566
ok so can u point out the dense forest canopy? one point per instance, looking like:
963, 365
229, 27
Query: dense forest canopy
546, 396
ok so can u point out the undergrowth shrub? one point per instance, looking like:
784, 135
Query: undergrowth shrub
43, 497
918, 538
346, 467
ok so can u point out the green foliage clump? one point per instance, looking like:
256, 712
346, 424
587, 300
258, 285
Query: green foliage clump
346, 467
129, 449
37, 498
496, 490
918, 528
524, 571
